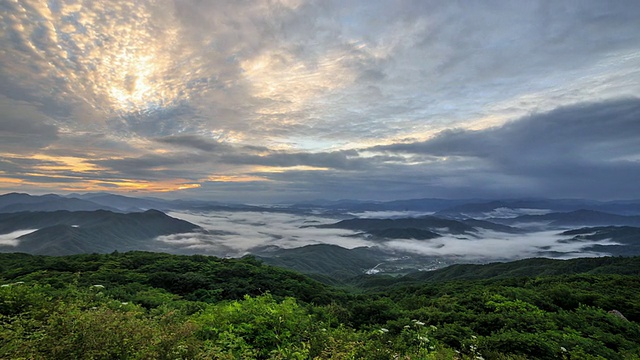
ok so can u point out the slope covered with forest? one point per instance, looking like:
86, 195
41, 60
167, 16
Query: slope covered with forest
160, 306
76, 232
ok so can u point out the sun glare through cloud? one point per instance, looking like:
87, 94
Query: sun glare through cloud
119, 58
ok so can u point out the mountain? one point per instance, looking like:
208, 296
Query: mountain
573, 219
498, 209
419, 205
424, 227
329, 260
140, 305
134, 204
403, 233
475, 208
124, 203
517, 207
487, 225
623, 240
17, 202
423, 223
332, 264
65, 232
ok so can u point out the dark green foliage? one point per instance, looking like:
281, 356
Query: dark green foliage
157, 306
197, 277
531, 268
330, 260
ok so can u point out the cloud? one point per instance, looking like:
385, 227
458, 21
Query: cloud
23, 127
236, 233
346, 160
281, 69
496, 246
389, 214
584, 149
192, 141
191, 152
144, 89
11, 239
566, 131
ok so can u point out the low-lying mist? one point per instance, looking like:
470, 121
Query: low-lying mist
238, 233
11, 239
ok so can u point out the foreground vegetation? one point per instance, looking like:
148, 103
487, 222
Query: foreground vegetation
156, 306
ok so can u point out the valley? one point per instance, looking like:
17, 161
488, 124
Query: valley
336, 240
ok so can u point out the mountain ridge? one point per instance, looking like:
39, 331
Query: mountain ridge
66, 232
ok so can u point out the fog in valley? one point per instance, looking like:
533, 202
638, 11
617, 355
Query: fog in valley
233, 234
11, 239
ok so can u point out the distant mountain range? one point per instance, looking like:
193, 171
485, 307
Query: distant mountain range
477, 208
17, 202
625, 239
419, 228
102, 222
515, 208
456, 209
325, 262
420, 205
571, 219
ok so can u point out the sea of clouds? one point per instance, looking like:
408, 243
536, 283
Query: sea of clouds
232, 234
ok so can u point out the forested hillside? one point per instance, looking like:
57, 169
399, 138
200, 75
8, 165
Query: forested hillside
76, 232
142, 305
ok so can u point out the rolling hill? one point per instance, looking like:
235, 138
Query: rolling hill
66, 232
573, 219
424, 227
625, 240
17, 202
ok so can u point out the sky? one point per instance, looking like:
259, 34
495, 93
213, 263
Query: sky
290, 100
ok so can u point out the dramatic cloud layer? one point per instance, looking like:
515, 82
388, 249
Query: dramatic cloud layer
297, 99
586, 150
